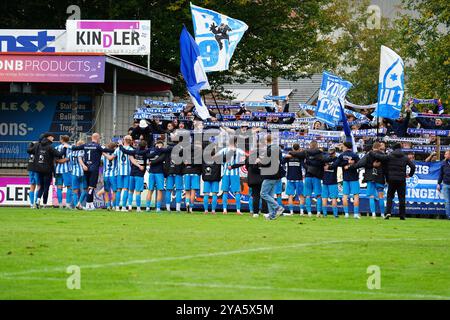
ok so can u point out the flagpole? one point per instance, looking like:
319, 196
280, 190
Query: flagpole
217, 106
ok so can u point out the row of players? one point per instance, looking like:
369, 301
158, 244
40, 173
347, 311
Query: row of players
77, 169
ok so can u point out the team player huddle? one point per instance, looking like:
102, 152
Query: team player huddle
310, 174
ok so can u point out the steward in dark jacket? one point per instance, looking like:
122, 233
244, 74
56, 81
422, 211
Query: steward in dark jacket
44, 158
396, 164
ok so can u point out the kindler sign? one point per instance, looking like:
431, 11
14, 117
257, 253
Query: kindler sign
120, 37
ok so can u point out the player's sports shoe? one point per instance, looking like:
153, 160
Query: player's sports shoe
68, 207
213, 212
302, 214
130, 208
279, 212
239, 213
225, 212
267, 216
346, 216
38, 204
255, 215
309, 214
386, 217
61, 207
357, 216
206, 212
138, 209
288, 214
319, 215
147, 209
124, 209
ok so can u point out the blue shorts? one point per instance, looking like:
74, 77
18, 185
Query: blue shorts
279, 187
34, 177
330, 191
374, 188
63, 179
191, 182
155, 180
231, 183
174, 181
79, 182
110, 184
211, 186
351, 187
123, 182
294, 188
312, 185
136, 184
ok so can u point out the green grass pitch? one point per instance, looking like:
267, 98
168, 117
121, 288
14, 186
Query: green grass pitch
192, 256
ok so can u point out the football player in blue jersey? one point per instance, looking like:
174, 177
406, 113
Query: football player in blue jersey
351, 178
92, 158
79, 182
124, 171
230, 177
63, 175
110, 172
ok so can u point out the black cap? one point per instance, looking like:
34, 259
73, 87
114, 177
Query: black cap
48, 134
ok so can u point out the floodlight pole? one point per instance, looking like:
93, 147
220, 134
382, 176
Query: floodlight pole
149, 46
114, 102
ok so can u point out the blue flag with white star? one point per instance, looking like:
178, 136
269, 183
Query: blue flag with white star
391, 85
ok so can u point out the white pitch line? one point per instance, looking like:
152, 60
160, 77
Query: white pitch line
205, 255
257, 288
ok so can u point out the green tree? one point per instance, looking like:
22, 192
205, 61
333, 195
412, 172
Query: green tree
427, 44
283, 39
358, 38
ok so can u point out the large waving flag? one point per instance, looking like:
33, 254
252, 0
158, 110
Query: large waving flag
193, 72
332, 93
217, 36
391, 85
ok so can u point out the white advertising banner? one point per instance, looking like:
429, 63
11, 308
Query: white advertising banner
17, 40
117, 37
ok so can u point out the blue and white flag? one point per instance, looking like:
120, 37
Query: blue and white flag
332, 90
217, 37
193, 72
348, 132
391, 85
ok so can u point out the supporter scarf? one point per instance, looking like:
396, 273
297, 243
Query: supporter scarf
412, 140
443, 133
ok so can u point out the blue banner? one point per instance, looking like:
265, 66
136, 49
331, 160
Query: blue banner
421, 187
332, 90
24, 118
